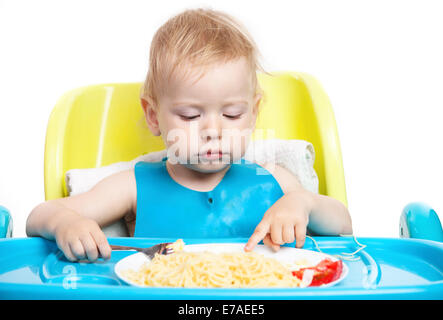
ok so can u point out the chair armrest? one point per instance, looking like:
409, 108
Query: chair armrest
5, 223
420, 221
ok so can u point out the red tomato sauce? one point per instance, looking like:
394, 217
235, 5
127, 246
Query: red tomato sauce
325, 271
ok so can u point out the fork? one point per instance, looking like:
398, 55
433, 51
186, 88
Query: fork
161, 248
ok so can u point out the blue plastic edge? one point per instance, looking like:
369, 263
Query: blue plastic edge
5, 223
419, 221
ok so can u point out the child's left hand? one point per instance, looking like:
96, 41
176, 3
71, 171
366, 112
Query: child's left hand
284, 222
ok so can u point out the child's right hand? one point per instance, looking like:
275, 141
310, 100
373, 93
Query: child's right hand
74, 222
81, 238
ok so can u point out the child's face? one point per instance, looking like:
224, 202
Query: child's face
206, 123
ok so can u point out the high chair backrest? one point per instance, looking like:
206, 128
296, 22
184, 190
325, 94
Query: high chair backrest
98, 125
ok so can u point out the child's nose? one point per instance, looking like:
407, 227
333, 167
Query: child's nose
211, 128
210, 134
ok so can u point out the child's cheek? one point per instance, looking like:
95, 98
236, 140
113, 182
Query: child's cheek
236, 142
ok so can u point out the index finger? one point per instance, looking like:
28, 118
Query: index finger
259, 234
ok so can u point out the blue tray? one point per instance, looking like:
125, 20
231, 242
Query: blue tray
389, 268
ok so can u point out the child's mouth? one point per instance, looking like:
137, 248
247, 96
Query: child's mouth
212, 155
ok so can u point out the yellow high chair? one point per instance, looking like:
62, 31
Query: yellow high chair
98, 125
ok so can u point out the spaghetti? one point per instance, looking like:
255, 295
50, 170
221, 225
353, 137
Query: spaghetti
352, 256
213, 270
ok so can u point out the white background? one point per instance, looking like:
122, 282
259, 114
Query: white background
381, 63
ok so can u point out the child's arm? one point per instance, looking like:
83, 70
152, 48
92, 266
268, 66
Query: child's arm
74, 222
290, 216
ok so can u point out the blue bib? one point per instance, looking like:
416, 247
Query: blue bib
232, 209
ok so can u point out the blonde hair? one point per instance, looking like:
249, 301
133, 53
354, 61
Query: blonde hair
199, 37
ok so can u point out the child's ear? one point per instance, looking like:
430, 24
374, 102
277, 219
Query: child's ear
256, 107
257, 100
151, 116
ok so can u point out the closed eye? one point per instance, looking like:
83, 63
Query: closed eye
189, 118
229, 116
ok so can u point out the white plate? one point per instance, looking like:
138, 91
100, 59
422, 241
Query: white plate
286, 255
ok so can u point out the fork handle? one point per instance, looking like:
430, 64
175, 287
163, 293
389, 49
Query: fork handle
114, 247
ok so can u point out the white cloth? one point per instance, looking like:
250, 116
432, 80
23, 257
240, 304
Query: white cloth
297, 156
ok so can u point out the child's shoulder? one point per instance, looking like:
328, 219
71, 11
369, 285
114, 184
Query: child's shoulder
123, 180
285, 178
126, 184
